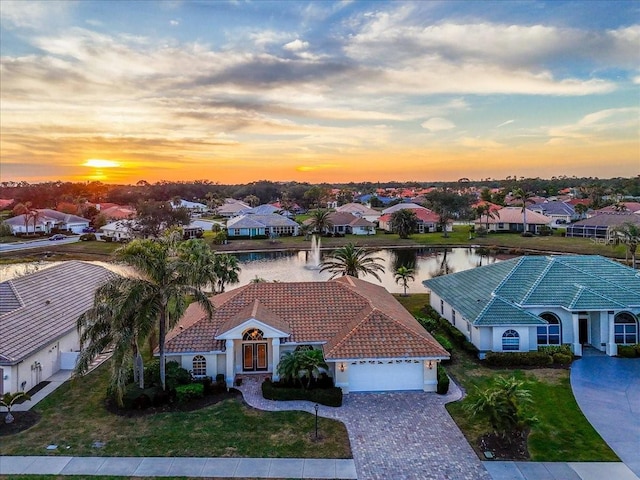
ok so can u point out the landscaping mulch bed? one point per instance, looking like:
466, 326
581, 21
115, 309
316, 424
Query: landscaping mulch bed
195, 404
514, 448
22, 421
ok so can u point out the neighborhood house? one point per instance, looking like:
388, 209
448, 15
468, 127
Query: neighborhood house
369, 340
38, 314
523, 303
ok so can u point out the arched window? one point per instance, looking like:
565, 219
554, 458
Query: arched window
625, 328
550, 334
253, 334
510, 341
199, 366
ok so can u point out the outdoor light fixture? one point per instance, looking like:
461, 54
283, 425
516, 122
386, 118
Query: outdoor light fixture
341, 367
430, 365
316, 406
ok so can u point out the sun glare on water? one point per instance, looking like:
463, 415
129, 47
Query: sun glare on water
100, 163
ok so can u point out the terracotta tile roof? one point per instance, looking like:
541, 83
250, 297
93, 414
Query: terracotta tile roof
351, 315
514, 215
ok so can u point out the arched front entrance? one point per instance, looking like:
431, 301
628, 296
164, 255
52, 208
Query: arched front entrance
255, 357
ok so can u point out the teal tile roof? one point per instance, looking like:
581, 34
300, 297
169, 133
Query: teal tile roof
499, 294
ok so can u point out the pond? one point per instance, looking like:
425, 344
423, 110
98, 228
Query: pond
426, 262
295, 266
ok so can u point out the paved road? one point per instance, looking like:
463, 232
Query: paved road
44, 243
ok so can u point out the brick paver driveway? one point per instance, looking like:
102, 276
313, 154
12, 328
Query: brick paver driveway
396, 435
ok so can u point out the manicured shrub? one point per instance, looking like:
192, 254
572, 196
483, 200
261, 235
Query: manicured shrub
429, 324
443, 381
331, 397
562, 359
627, 351
526, 234
220, 378
186, 393
444, 341
553, 349
518, 359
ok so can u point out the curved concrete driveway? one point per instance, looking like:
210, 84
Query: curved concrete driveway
607, 390
395, 435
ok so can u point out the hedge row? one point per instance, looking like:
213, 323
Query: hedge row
629, 351
331, 397
443, 381
527, 359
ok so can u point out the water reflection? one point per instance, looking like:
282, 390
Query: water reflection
426, 262
290, 266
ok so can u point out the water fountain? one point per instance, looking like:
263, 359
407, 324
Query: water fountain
313, 261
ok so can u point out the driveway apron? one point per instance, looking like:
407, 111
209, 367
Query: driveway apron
407, 435
607, 390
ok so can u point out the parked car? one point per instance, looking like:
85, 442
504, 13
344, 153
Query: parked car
88, 230
57, 236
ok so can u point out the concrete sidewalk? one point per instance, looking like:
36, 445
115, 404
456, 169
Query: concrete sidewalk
180, 467
55, 381
559, 471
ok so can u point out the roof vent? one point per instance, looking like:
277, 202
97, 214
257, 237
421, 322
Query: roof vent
47, 302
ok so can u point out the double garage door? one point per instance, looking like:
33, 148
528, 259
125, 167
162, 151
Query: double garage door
383, 377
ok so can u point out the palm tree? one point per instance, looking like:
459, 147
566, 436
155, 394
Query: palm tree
629, 234
226, 270
403, 275
403, 222
164, 282
351, 260
503, 405
320, 221
119, 322
520, 194
486, 212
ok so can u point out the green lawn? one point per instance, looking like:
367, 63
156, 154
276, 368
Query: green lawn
562, 434
74, 416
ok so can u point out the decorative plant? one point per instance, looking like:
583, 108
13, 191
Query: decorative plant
8, 400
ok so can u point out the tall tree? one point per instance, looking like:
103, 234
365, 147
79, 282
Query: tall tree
165, 280
404, 222
523, 196
402, 276
226, 269
119, 321
154, 217
447, 205
320, 221
353, 261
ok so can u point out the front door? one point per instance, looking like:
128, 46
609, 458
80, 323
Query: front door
583, 328
254, 357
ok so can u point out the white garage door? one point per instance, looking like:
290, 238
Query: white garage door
382, 377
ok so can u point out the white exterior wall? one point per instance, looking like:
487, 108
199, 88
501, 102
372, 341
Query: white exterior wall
522, 331
38, 366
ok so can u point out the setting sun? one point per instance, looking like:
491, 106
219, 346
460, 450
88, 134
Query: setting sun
100, 163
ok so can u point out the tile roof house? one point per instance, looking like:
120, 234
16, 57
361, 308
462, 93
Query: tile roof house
427, 220
47, 220
231, 208
601, 226
511, 219
369, 340
343, 223
561, 213
38, 314
253, 225
360, 210
525, 302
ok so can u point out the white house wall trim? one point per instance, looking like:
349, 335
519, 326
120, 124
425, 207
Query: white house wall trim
236, 332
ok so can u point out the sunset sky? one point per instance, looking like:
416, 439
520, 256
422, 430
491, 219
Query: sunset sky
236, 91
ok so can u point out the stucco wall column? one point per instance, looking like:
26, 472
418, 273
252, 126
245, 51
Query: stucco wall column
230, 356
275, 344
612, 347
430, 375
577, 346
